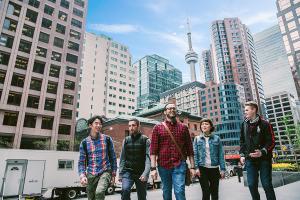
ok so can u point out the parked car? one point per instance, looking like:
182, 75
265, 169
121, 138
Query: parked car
230, 169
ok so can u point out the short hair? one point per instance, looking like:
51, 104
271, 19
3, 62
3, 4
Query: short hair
252, 104
134, 120
92, 119
165, 107
209, 121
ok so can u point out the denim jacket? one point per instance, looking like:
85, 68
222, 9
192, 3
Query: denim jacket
216, 151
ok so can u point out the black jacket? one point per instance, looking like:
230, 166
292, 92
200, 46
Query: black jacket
257, 135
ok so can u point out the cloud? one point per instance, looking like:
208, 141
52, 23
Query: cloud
258, 18
158, 6
114, 28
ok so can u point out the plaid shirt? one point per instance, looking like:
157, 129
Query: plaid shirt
163, 146
98, 159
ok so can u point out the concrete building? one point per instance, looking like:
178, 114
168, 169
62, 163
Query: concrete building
186, 96
208, 67
288, 19
279, 106
272, 59
155, 76
40, 54
234, 58
107, 78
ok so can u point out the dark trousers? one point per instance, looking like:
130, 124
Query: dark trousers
128, 180
209, 181
264, 167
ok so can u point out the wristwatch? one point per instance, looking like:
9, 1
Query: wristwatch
152, 168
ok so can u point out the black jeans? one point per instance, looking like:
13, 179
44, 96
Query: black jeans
264, 168
128, 180
209, 181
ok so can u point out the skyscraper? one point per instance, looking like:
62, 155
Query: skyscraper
191, 57
234, 58
272, 58
40, 54
155, 76
207, 64
107, 79
288, 14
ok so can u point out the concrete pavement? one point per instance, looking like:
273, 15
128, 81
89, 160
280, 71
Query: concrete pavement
230, 189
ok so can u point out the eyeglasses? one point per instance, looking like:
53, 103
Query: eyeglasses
171, 108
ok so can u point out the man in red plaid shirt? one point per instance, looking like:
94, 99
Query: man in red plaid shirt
170, 165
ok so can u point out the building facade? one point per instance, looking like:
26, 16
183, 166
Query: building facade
187, 97
288, 19
107, 79
283, 115
272, 58
40, 54
234, 58
208, 67
155, 76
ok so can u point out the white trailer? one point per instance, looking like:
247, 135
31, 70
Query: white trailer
39, 173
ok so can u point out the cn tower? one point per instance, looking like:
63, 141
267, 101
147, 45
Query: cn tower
191, 57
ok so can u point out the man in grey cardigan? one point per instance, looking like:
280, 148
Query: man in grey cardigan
134, 162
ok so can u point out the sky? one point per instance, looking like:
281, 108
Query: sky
150, 27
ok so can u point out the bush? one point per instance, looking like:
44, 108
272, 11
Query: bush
284, 167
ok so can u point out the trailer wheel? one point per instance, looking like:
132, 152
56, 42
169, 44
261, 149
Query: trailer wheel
71, 193
110, 190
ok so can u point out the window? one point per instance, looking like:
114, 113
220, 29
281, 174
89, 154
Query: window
53, 1
284, 4
10, 118
46, 23
21, 63
289, 16
28, 31
62, 16
31, 16
38, 67
76, 23
71, 71
36, 84
33, 102
73, 46
291, 25
41, 52
65, 4
6, 40
72, 58
294, 35
56, 56
4, 58
13, 9
54, 71
48, 10
47, 123
44, 37
2, 76
66, 114
79, 3
50, 104
75, 34
64, 129
14, 98
68, 99
10, 25
29, 121
58, 42
65, 164
77, 12
60, 28
52, 87
17, 80
24, 46
70, 85
34, 3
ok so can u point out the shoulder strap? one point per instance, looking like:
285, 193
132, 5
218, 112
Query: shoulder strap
108, 144
173, 139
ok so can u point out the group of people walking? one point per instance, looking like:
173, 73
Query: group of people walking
166, 155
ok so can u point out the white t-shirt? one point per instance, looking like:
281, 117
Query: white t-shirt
207, 154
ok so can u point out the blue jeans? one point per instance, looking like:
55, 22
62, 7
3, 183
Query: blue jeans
264, 167
175, 177
128, 180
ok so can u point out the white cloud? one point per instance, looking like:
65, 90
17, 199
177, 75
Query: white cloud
158, 6
258, 18
114, 28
